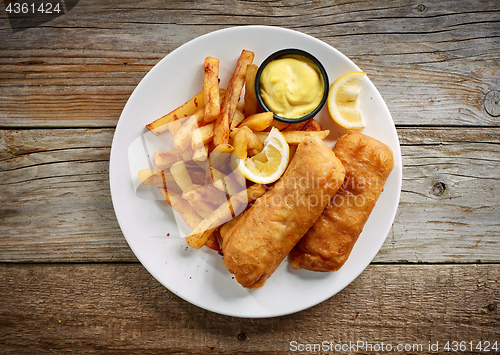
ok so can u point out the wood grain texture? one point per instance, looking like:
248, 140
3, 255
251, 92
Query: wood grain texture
70, 283
56, 203
432, 62
449, 200
56, 187
90, 308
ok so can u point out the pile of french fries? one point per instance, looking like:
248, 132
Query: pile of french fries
211, 131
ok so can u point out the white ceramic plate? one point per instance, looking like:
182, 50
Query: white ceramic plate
198, 276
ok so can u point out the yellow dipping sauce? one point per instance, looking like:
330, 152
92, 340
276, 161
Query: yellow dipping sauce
291, 86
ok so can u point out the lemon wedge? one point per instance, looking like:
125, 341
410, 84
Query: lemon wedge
268, 165
343, 103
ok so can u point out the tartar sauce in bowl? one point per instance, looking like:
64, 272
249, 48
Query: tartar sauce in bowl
292, 84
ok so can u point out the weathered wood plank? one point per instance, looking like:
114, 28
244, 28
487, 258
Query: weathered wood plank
56, 203
449, 202
55, 189
431, 62
90, 308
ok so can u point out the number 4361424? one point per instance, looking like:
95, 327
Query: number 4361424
32, 8
461, 346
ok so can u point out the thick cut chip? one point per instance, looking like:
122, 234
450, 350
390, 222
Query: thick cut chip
232, 98
211, 89
160, 125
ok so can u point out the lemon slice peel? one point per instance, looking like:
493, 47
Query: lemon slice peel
268, 165
343, 102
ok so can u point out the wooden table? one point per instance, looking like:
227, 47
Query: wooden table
70, 283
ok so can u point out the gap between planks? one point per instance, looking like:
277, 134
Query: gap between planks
122, 307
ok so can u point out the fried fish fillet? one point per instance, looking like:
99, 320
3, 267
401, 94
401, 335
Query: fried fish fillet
328, 244
264, 234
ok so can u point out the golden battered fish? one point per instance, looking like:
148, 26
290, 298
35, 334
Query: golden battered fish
258, 242
328, 244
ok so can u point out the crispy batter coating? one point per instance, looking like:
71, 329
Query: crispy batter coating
259, 241
328, 244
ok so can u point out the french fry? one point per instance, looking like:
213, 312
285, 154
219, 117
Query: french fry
163, 190
297, 126
198, 175
278, 125
200, 153
251, 152
218, 179
213, 242
262, 136
233, 92
182, 207
175, 126
258, 122
254, 144
183, 138
210, 147
240, 142
208, 193
223, 148
233, 186
221, 215
166, 158
155, 177
202, 136
294, 137
225, 183
222, 95
251, 105
220, 156
211, 89
200, 116
207, 235
193, 197
151, 176
168, 124
181, 176
238, 117
226, 226
313, 125
203, 208
160, 125
198, 237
